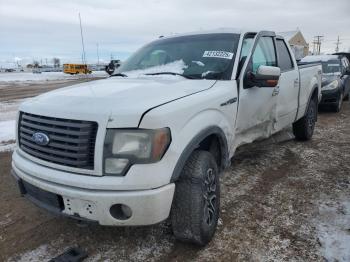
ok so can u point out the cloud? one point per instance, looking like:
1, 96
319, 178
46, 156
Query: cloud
43, 29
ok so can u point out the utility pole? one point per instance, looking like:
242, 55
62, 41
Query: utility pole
314, 47
337, 44
82, 41
317, 44
98, 57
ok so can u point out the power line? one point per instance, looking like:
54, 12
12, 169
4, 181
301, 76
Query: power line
98, 56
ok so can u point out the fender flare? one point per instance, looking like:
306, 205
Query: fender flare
310, 96
194, 143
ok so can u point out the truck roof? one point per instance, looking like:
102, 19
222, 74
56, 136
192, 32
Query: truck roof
215, 31
319, 58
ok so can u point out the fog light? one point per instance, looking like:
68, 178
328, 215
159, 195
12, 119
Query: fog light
115, 165
120, 211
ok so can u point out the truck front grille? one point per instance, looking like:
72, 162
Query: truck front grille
71, 142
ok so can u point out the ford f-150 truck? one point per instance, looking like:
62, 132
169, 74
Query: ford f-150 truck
150, 141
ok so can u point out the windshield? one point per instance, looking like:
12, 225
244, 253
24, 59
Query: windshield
331, 67
208, 56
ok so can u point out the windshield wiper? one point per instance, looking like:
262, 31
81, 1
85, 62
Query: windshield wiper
212, 75
119, 74
170, 73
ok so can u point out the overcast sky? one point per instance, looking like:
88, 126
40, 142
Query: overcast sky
42, 29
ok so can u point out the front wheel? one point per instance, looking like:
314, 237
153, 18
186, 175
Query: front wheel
338, 106
196, 205
303, 129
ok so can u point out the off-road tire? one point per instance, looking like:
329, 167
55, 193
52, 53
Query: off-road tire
338, 106
193, 219
303, 129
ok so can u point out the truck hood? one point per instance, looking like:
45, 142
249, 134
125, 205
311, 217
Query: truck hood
121, 101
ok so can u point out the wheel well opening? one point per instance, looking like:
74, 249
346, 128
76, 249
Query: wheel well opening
315, 94
212, 144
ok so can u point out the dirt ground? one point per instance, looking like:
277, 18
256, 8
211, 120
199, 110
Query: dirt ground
20, 90
281, 201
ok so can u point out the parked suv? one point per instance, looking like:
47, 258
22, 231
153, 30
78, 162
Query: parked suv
152, 140
335, 79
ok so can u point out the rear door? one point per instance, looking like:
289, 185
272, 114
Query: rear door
257, 105
288, 86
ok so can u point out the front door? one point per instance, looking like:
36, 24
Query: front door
257, 105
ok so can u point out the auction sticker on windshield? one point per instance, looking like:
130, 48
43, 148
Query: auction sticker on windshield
218, 54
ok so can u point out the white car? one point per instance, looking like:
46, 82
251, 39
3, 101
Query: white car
150, 141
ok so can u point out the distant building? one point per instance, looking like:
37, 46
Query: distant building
297, 42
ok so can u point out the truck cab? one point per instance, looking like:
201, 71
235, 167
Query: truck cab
151, 141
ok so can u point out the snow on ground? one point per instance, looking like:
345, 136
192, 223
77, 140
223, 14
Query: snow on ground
44, 252
33, 255
149, 249
7, 130
45, 76
333, 226
7, 133
8, 109
8, 113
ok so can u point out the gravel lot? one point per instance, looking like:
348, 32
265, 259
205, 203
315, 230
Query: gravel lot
281, 200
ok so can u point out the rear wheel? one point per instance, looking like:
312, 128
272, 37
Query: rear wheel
303, 129
196, 205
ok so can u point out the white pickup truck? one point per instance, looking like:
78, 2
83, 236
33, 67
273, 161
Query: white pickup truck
150, 141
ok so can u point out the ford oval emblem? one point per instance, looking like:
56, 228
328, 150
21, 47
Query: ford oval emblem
40, 139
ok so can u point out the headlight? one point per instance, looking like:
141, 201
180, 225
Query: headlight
330, 86
125, 147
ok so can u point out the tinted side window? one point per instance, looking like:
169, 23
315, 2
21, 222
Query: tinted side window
264, 54
345, 62
284, 59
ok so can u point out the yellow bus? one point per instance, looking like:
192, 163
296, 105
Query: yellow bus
76, 69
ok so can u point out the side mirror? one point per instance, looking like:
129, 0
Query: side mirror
266, 76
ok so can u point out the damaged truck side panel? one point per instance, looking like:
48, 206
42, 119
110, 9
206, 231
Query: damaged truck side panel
150, 141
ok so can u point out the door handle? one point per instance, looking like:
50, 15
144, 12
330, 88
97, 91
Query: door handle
276, 91
296, 82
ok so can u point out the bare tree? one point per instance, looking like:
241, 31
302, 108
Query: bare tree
56, 62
